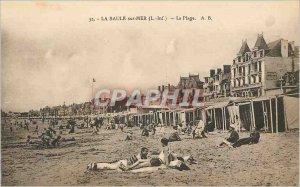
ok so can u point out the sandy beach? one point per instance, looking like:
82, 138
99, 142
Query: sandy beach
273, 161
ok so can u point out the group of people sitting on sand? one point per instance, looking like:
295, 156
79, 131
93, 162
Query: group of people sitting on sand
141, 160
234, 140
49, 137
168, 159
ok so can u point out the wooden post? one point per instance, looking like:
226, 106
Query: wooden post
144, 118
271, 112
285, 118
194, 117
169, 118
276, 109
225, 119
253, 116
267, 120
222, 119
215, 118
263, 107
174, 118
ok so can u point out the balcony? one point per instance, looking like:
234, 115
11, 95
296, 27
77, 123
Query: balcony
253, 71
238, 75
247, 86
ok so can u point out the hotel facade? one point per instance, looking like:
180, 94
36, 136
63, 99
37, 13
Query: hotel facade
259, 71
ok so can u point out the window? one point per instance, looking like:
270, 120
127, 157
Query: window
255, 66
249, 80
249, 69
239, 59
240, 70
259, 66
244, 72
254, 79
254, 53
261, 53
259, 79
233, 61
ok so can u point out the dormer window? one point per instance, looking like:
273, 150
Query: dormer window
261, 53
233, 61
254, 53
239, 59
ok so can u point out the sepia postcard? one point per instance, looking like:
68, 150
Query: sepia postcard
150, 93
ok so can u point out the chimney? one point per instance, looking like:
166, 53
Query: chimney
212, 72
227, 69
284, 48
169, 86
219, 70
292, 45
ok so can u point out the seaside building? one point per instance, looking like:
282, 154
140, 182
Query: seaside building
260, 71
190, 82
217, 84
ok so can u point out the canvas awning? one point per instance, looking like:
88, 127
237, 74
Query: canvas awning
218, 105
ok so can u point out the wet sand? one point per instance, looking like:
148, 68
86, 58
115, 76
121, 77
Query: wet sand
273, 161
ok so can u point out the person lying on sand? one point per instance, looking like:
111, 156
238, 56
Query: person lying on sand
124, 164
172, 160
67, 139
233, 138
174, 137
253, 139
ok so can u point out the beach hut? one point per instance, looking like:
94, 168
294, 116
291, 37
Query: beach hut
291, 101
219, 115
267, 113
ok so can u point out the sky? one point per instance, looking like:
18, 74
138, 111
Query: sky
51, 52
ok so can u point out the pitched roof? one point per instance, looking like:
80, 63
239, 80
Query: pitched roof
245, 48
274, 48
260, 43
184, 78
